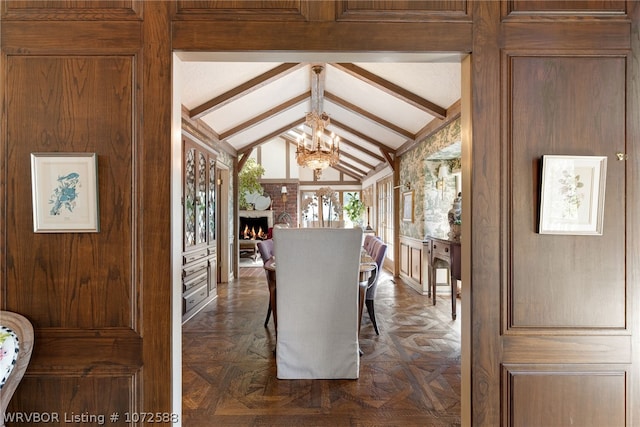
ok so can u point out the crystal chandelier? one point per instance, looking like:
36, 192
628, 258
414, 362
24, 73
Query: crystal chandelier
317, 153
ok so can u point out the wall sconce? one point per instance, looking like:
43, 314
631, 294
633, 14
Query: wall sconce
405, 187
283, 194
443, 173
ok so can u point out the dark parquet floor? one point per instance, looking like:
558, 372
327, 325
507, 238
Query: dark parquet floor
409, 374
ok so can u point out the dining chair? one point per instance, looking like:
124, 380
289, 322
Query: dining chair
367, 241
318, 302
372, 286
16, 344
265, 247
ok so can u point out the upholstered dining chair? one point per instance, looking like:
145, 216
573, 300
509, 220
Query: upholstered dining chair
368, 240
372, 287
265, 247
318, 272
16, 344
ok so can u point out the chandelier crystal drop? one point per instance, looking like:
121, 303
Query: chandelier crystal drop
319, 152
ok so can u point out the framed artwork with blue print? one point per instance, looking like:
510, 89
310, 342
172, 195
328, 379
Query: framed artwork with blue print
65, 192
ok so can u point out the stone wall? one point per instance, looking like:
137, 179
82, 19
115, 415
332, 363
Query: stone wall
430, 204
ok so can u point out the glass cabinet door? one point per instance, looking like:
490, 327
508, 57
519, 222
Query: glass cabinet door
211, 200
201, 199
199, 195
189, 197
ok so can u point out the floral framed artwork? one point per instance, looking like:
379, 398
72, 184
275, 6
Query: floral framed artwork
407, 206
64, 192
572, 194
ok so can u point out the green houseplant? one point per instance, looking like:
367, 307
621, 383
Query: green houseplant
249, 182
354, 208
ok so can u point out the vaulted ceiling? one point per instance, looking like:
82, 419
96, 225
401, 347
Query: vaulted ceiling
376, 108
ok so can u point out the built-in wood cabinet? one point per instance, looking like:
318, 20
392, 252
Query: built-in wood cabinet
199, 228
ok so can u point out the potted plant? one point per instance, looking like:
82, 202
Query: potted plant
354, 208
249, 182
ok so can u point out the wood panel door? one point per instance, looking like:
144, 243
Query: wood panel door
554, 324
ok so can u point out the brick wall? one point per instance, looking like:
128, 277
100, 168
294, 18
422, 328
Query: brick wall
278, 206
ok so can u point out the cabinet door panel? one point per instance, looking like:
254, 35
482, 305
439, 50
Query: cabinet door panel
211, 201
201, 200
189, 197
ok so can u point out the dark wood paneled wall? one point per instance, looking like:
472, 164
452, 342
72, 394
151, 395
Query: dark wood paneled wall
75, 80
84, 312
553, 317
544, 93
89, 110
565, 337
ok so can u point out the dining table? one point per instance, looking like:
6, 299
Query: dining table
368, 267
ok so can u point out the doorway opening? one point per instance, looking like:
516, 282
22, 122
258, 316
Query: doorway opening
228, 221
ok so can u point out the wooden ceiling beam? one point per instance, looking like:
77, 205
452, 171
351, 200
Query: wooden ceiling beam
245, 156
392, 89
360, 135
388, 157
357, 160
352, 168
245, 88
274, 134
266, 115
369, 116
453, 112
346, 171
362, 149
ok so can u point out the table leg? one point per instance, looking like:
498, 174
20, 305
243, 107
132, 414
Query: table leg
432, 282
454, 289
271, 281
363, 292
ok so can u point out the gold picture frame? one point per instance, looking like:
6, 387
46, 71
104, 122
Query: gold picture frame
407, 206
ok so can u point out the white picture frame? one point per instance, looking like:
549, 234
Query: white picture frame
572, 195
65, 192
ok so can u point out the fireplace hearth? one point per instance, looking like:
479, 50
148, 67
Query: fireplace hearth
254, 228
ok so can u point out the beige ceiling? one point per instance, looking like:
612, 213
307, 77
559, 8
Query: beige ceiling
375, 107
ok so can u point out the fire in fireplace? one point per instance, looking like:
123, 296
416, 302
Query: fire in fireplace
254, 228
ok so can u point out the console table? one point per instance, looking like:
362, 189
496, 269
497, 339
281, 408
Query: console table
447, 251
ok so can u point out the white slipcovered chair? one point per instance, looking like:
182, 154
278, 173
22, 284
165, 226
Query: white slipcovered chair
317, 280
16, 343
